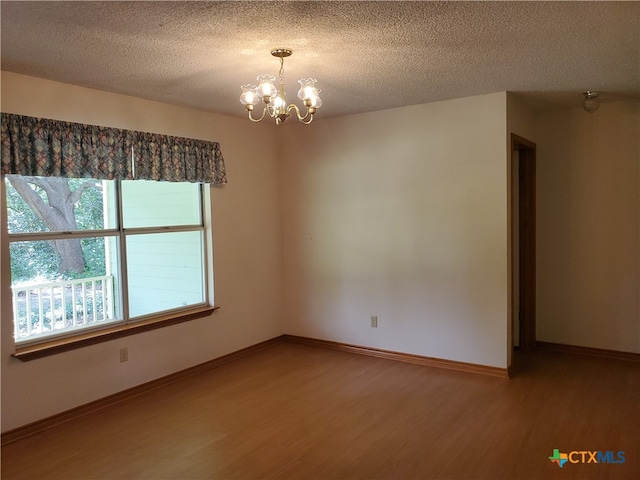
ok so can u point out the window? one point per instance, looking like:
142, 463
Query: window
93, 254
108, 257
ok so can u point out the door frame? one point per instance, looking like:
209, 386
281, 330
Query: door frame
526, 231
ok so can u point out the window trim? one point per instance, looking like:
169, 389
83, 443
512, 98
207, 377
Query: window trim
65, 344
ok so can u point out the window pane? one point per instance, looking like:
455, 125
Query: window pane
60, 286
160, 204
43, 204
165, 271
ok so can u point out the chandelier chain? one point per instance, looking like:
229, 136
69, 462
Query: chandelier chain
281, 72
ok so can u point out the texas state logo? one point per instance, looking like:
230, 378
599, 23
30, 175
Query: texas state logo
559, 458
586, 456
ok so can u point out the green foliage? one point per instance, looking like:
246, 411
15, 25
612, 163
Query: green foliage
89, 212
30, 260
21, 218
38, 259
90, 216
93, 252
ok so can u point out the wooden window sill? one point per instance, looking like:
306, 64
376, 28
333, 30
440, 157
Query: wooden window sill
59, 345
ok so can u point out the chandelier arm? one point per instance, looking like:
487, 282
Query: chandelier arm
308, 121
256, 120
301, 118
293, 106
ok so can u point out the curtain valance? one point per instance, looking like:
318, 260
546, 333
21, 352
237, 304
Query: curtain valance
43, 147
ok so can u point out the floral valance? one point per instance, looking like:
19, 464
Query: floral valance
43, 147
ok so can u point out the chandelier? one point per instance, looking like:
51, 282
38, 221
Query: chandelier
274, 99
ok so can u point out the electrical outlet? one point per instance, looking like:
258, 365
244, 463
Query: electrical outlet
374, 321
124, 354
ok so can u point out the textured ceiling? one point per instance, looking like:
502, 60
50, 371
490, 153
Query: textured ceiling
366, 55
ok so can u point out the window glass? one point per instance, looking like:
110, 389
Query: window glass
165, 271
159, 204
48, 300
51, 204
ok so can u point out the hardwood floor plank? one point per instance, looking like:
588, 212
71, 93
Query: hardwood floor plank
294, 411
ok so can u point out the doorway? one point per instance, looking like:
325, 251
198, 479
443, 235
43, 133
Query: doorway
523, 242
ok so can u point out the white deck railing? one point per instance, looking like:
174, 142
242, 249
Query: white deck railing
64, 305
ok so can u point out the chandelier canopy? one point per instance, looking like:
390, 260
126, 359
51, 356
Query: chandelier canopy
274, 99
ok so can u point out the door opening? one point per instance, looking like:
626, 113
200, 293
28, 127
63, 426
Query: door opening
523, 243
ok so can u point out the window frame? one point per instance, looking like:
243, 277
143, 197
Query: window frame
45, 345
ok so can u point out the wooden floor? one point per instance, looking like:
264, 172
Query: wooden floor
299, 412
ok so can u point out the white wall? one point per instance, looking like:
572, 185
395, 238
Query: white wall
247, 257
401, 214
521, 119
588, 216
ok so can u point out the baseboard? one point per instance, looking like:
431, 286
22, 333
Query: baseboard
49, 422
401, 357
589, 351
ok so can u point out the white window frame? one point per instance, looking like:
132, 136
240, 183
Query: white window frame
53, 342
